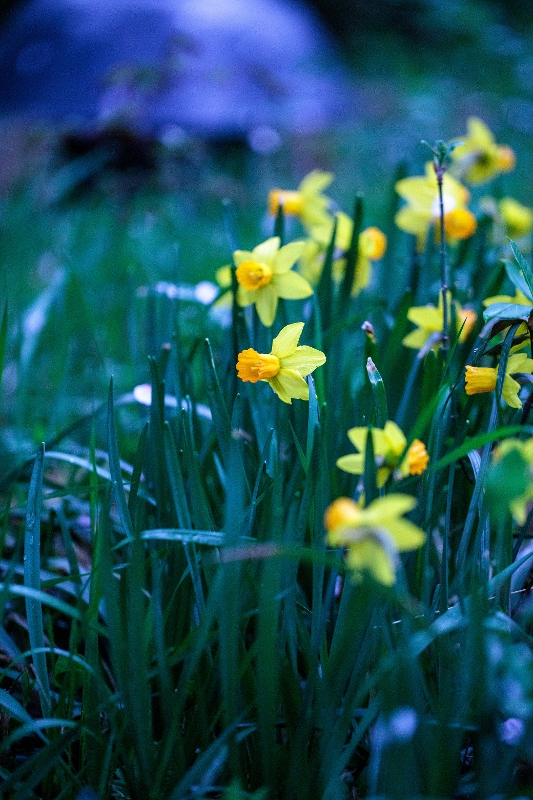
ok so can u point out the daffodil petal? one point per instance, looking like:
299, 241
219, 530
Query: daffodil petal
394, 434
357, 436
266, 304
406, 535
304, 360
287, 256
386, 508
316, 181
363, 271
287, 340
510, 392
369, 555
244, 297
243, 255
291, 286
413, 220
293, 384
353, 463
280, 390
416, 339
266, 251
427, 317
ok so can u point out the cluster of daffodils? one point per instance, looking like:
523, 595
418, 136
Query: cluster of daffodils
374, 536
476, 159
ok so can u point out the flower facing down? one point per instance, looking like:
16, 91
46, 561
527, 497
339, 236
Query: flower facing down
483, 379
285, 367
373, 536
477, 158
423, 206
264, 275
389, 446
306, 202
429, 322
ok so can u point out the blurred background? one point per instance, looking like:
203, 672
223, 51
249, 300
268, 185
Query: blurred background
128, 127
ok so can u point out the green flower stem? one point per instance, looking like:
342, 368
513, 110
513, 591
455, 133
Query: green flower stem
439, 171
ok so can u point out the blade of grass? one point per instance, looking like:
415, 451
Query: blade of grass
32, 580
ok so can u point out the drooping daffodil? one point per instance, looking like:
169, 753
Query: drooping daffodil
285, 367
307, 202
484, 379
264, 275
429, 321
423, 206
373, 536
477, 158
389, 447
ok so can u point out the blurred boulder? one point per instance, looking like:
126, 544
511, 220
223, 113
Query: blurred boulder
217, 68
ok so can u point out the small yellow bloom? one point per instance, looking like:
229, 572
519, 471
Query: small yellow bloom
264, 275
430, 320
423, 203
307, 202
518, 219
478, 158
483, 379
372, 243
389, 445
459, 223
285, 367
373, 536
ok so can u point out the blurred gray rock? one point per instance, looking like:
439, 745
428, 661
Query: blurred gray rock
212, 67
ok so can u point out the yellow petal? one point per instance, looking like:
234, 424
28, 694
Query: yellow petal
353, 463
287, 256
244, 297
291, 286
510, 392
304, 360
416, 339
369, 555
406, 535
315, 182
382, 510
266, 251
242, 255
287, 340
266, 304
395, 437
292, 384
427, 317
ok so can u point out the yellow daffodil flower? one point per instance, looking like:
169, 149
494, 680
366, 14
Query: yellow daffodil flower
483, 379
518, 219
519, 506
429, 321
265, 274
478, 159
285, 367
389, 445
423, 206
373, 536
372, 246
306, 202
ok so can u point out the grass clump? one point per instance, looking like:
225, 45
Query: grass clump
310, 578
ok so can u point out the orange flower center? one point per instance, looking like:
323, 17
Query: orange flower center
480, 379
373, 243
342, 511
417, 457
253, 366
252, 275
459, 223
290, 200
506, 158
